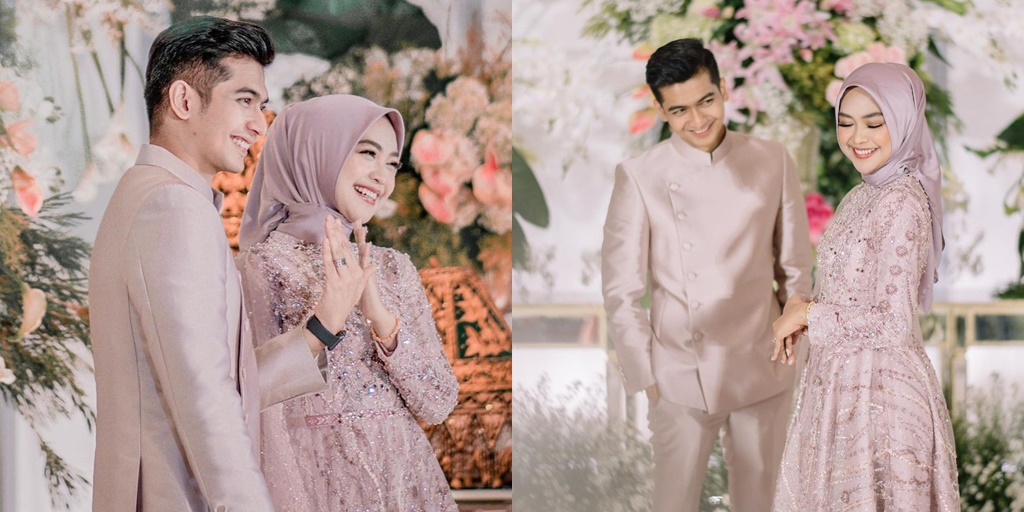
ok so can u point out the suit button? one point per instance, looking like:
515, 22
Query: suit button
687, 246
681, 216
691, 276
673, 186
242, 374
697, 336
696, 304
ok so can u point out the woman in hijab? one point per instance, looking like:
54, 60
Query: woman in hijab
328, 165
871, 430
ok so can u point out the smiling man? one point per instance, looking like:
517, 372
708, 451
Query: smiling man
713, 222
178, 396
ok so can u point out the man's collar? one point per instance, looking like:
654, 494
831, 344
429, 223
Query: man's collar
701, 157
151, 154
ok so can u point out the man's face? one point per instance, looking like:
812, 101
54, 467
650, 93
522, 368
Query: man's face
695, 110
232, 120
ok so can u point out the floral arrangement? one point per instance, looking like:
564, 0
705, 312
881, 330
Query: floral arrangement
452, 204
44, 325
989, 438
783, 61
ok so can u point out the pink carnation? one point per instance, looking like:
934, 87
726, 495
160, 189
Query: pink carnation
819, 215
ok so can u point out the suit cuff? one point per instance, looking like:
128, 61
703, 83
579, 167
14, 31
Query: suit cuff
286, 369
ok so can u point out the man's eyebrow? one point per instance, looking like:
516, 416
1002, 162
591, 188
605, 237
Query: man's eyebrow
701, 100
250, 90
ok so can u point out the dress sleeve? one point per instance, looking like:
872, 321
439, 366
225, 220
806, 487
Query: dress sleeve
418, 366
900, 243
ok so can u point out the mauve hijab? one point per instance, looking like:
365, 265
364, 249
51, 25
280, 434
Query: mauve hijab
293, 187
899, 92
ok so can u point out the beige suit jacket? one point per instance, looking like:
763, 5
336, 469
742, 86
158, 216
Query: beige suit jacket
710, 234
179, 383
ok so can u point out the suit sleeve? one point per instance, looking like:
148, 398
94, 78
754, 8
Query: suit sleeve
180, 245
624, 262
286, 368
792, 240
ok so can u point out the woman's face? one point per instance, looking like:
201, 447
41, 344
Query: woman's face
862, 133
367, 178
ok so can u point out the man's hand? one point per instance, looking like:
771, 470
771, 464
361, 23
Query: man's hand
652, 394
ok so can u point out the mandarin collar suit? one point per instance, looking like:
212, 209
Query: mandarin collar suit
709, 235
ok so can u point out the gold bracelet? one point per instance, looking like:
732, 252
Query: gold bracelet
807, 312
385, 341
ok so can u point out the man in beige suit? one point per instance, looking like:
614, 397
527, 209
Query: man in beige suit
178, 391
708, 219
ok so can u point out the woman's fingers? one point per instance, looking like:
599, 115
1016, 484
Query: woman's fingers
328, 257
364, 246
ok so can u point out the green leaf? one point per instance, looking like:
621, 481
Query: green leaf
527, 197
956, 6
1013, 135
520, 247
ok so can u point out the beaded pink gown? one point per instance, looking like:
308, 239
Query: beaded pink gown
356, 447
871, 429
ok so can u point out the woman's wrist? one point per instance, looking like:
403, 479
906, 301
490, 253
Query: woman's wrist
807, 311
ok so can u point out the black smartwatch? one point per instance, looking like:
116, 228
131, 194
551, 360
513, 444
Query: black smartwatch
329, 339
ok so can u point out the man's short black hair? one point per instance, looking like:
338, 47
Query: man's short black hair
193, 51
679, 61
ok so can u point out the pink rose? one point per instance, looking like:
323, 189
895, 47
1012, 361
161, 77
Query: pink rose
832, 91
642, 120
441, 208
846, 65
30, 198
440, 179
819, 215
491, 186
431, 149
882, 53
9, 96
18, 138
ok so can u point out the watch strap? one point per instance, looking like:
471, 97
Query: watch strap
329, 339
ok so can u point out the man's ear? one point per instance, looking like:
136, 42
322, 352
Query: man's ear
723, 89
658, 108
184, 100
